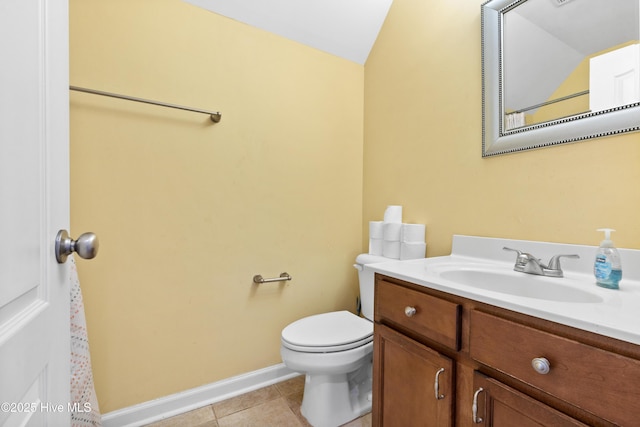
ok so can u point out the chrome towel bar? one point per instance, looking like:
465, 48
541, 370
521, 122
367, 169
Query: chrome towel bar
216, 116
259, 279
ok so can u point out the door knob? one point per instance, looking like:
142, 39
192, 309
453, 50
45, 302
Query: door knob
86, 246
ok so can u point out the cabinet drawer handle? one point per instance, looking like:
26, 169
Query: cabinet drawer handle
541, 365
410, 311
436, 385
474, 407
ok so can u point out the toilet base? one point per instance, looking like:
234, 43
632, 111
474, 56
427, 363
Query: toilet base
333, 400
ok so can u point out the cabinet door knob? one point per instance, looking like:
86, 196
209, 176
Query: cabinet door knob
410, 311
474, 407
541, 365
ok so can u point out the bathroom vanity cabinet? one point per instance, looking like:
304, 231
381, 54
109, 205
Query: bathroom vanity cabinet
444, 360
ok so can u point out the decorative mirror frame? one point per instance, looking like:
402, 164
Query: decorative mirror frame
495, 140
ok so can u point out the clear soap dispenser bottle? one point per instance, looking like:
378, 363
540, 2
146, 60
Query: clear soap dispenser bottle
607, 267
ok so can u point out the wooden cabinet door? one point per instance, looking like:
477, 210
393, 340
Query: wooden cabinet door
413, 384
501, 406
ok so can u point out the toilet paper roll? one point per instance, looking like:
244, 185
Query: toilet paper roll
391, 231
375, 229
391, 249
413, 233
393, 214
375, 246
412, 250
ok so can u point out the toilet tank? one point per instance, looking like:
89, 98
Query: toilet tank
366, 279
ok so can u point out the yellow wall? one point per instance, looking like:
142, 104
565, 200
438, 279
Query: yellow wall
577, 81
423, 122
187, 212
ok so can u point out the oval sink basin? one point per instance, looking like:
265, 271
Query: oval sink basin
520, 284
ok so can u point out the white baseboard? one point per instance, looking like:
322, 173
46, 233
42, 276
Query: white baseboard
175, 404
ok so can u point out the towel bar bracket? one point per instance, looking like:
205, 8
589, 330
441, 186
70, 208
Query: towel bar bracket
283, 277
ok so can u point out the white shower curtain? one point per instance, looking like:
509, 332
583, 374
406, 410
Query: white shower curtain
85, 411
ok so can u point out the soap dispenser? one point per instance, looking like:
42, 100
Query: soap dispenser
607, 267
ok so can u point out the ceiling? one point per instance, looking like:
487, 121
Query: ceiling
345, 28
588, 26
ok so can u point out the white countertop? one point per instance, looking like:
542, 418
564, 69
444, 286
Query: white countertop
616, 316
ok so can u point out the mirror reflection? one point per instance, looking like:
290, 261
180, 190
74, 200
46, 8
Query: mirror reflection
563, 58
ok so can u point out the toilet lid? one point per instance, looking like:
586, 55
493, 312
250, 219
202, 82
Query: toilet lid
328, 332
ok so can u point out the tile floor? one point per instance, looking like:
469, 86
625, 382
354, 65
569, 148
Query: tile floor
277, 405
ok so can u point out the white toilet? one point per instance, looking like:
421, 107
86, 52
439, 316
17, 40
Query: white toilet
335, 352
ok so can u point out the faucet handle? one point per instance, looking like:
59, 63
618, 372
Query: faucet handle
523, 260
554, 262
523, 257
513, 250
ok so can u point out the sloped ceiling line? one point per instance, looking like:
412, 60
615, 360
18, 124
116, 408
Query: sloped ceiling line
345, 28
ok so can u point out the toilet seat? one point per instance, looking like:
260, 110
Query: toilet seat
328, 332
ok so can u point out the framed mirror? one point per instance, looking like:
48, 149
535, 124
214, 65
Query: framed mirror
558, 71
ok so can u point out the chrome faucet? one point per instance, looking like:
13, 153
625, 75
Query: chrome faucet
527, 263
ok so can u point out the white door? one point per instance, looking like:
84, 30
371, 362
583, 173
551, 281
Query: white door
614, 78
34, 205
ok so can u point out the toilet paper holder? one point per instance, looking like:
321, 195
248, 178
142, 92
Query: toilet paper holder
259, 279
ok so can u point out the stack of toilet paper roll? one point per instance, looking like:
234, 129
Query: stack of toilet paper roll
391, 238
412, 244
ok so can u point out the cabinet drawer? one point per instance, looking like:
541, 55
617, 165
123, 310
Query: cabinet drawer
434, 318
598, 381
